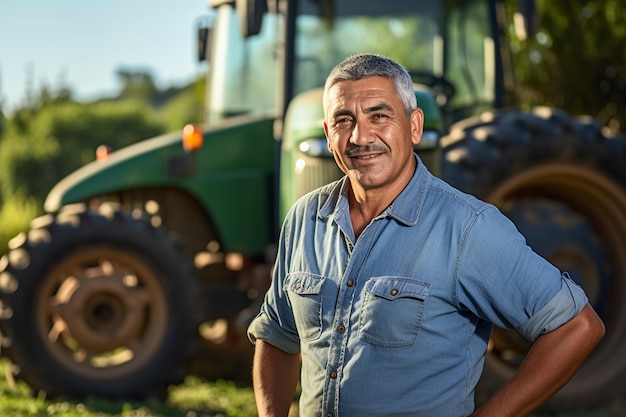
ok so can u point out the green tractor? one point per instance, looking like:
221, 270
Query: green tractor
152, 259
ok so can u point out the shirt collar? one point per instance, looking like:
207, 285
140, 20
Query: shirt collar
405, 208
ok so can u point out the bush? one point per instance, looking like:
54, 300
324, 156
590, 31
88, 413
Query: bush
41, 147
15, 216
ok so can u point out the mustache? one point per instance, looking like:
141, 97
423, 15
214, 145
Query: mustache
364, 149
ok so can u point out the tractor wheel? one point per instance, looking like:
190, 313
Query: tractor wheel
96, 303
562, 181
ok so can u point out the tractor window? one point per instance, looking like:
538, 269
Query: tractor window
470, 57
329, 31
243, 71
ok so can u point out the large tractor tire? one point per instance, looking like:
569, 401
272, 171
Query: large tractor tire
96, 302
562, 181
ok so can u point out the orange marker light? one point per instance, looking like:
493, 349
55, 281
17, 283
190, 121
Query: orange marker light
103, 152
192, 138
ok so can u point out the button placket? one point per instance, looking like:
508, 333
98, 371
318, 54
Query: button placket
355, 261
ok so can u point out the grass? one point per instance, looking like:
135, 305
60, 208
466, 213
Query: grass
194, 398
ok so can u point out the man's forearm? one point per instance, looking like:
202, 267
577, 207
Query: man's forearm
275, 375
552, 361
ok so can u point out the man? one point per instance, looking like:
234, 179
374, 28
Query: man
388, 281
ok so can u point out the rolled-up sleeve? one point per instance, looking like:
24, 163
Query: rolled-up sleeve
275, 323
502, 280
564, 306
264, 328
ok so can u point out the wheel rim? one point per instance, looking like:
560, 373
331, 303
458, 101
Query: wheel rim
101, 312
570, 195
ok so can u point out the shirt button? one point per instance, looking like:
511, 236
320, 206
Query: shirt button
341, 329
394, 292
333, 375
350, 283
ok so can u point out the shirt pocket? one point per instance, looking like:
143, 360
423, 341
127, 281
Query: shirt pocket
392, 313
305, 295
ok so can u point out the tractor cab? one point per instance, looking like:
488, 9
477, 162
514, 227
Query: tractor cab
271, 59
265, 54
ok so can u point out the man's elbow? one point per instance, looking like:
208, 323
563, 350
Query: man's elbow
592, 325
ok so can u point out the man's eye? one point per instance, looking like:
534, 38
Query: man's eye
343, 122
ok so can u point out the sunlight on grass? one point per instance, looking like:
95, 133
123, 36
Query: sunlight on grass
194, 398
221, 396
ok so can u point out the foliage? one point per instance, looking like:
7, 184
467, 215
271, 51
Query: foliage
174, 106
576, 61
184, 107
136, 84
52, 135
15, 216
42, 146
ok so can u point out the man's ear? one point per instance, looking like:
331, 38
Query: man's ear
417, 125
327, 140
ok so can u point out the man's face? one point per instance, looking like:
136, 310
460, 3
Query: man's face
369, 133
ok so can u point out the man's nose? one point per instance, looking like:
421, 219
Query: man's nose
361, 135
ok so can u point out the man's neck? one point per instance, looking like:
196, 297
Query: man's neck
365, 205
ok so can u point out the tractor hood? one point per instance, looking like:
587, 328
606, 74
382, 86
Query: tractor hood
228, 148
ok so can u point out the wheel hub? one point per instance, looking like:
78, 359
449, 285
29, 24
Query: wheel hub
101, 313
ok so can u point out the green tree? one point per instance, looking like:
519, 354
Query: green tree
40, 145
136, 84
187, 106
60, 138
576, 61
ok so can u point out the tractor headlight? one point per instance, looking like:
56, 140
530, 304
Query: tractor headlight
317, 148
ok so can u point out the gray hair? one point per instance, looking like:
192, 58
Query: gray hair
358, 67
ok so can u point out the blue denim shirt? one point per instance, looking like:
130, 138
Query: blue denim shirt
396, 323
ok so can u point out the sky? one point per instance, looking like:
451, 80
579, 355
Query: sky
81, 44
